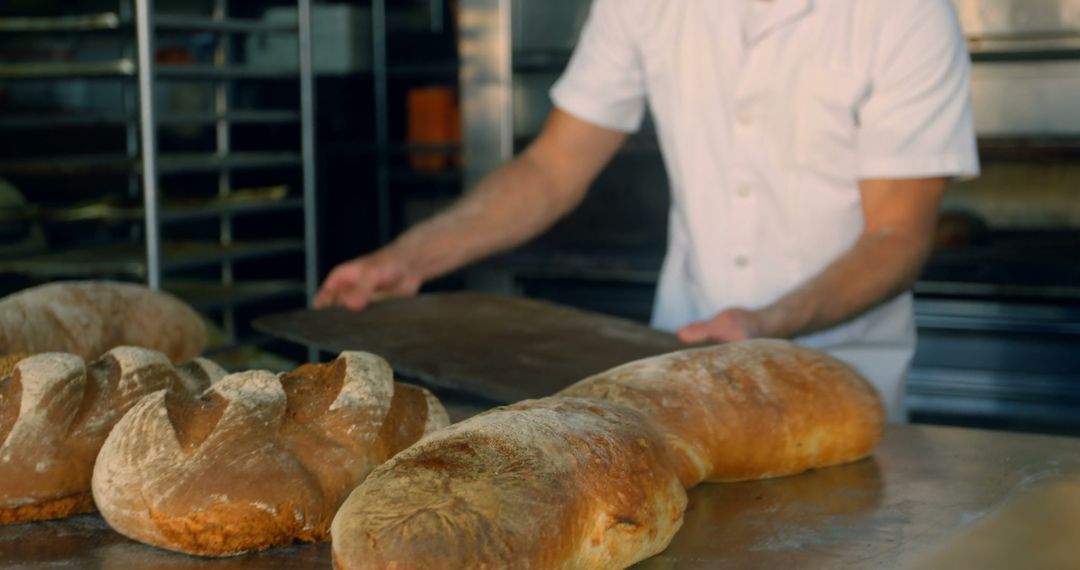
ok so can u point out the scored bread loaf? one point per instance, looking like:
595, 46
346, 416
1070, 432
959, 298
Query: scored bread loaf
578, 480
55, 413
257, 460
87, 318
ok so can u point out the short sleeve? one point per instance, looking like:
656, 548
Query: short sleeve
604, 83
917, 121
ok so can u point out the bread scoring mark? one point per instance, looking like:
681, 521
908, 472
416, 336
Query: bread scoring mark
199, 374
311, 388
10, 400
8, 362
194, 418
400, 427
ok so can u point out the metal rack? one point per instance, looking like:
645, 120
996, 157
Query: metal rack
149, 255
383, 147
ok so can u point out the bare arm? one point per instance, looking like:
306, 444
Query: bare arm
900, 217
513, 204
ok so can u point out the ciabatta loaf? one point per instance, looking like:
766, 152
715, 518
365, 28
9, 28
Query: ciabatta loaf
258, 459
594, 477
55, 413
87, 318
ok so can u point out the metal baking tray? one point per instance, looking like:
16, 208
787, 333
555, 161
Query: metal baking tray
130, 259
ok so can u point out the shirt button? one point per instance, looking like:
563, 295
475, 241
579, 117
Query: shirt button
745, 117
741, 261
743, 190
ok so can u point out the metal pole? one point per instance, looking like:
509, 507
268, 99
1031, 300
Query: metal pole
144, 35
307, 142
437, 16
224, 147
307, 149
129, 110
382, 117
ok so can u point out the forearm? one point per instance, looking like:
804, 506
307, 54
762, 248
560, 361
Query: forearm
508, 207
878, 268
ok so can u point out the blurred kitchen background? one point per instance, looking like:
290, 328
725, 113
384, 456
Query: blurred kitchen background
267, 168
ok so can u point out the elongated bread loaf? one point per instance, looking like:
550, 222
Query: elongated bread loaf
551, 483
258, 459
748, 410
87, 318
592, 477
55, 413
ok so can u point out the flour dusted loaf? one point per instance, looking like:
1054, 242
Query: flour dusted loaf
593, 477
748, 410
55, 413
87, 318
551, 483
258, 459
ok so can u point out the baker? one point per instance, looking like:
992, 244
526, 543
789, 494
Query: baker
808, 145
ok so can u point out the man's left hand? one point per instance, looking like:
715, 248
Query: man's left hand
728, 326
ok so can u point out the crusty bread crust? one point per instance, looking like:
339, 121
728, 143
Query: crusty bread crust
593, 477
258, 459
87, 318
55, 413
749, 410
551, 483
52, 509
8, 362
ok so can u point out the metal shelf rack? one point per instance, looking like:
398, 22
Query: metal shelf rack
383, 148
151, 252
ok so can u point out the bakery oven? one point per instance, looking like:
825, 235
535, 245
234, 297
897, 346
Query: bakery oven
999, 304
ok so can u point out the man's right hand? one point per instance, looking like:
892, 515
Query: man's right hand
356, 283
510, 206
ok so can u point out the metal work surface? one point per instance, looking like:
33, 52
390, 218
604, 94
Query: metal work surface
498, 347
922, 487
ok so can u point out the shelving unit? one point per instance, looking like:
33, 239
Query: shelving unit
172, 196
384, 148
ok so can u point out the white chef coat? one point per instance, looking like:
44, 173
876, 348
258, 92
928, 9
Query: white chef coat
767, 121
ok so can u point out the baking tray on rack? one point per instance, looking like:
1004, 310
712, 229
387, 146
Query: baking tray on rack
130, 259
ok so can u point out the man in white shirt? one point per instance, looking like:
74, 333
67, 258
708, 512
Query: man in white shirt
808, 144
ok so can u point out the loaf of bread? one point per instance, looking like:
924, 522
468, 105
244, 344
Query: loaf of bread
593, 477
748, 410
55, 413
551, 483
87, 318
258, 459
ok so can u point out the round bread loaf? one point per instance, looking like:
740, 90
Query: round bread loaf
87, 318
55, 413
258, 459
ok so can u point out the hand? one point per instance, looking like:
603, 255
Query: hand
361, 281
728, 326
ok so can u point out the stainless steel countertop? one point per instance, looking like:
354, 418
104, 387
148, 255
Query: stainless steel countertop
922, 486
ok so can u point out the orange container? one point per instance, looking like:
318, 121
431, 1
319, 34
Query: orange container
433, 119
